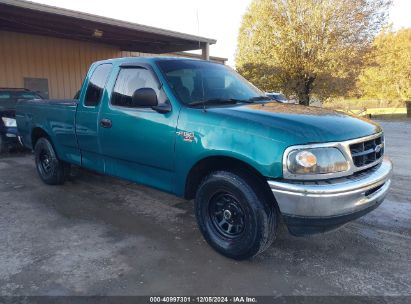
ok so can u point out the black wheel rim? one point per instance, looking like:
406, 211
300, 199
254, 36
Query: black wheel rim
45, 162
227, 215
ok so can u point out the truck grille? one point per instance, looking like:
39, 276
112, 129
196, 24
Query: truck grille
367, 152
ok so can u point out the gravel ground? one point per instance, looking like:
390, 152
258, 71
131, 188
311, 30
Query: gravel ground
101, 236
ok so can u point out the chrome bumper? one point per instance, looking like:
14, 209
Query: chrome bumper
333, 198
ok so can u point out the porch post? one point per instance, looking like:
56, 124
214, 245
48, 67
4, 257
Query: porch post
205, 51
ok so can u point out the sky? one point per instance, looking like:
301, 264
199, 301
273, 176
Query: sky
218, 19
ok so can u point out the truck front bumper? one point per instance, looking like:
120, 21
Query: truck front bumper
317, 206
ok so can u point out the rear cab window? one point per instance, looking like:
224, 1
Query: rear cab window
5, 95
27, 95
9, 99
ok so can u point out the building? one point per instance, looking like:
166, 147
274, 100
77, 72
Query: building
49, 49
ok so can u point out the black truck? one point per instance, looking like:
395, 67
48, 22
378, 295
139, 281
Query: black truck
8, 127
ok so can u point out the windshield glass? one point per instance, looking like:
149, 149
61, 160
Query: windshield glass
8, 99
193, 81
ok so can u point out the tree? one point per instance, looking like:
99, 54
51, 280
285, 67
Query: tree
387, 75
307, 47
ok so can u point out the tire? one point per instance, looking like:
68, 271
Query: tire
225, 199
3, 148
51, 170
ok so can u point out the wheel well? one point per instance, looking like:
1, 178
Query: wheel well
36, 134
216, 163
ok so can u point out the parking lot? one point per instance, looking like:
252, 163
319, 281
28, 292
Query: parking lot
97, 235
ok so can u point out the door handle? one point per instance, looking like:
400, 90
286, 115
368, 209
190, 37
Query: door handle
105, 123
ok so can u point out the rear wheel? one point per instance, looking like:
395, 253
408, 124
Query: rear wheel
234, 216
51, 170
3, 147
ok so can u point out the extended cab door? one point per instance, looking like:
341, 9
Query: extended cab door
138, 143
87, 117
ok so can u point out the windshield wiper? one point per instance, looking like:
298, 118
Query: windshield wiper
218, 101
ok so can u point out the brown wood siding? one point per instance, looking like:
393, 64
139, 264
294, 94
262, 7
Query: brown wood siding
63, 62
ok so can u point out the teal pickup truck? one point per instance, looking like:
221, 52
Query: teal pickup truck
199, 130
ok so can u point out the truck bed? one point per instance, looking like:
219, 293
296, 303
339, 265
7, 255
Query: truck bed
56, 117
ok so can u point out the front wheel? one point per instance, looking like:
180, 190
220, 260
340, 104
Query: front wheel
51, 170
234, 215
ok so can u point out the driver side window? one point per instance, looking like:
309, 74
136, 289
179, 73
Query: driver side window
131, 79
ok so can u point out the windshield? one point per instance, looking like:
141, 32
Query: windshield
8, 99
195, 81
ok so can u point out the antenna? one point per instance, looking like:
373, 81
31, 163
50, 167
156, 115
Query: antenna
198, 29
199, 46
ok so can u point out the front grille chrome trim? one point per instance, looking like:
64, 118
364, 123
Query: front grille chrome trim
345, 149
367, 152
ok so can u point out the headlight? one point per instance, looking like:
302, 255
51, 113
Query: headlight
9, 122
316, 161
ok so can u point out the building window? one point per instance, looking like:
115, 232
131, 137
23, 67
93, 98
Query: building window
96, 85
38, 85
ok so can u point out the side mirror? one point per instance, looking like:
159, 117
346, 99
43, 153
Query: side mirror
144, 98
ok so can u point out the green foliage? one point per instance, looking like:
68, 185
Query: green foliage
387, 75
307, 47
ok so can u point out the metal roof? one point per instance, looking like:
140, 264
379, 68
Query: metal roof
40, 19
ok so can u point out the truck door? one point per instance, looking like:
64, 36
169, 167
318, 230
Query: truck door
138, 143
87, 125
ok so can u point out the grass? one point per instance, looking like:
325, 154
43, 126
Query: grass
371, 108
360, 104
377, 111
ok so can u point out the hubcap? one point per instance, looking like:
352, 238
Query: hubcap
45, 162
227, 215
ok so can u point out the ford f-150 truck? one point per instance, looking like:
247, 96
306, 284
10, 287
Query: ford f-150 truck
199, 130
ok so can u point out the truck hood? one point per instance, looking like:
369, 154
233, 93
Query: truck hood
297, 124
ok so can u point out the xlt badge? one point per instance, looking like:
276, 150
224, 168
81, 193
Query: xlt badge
187, 136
